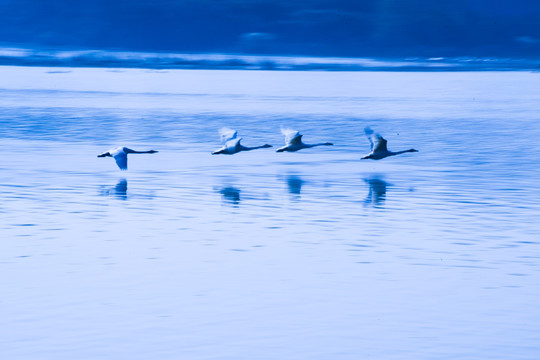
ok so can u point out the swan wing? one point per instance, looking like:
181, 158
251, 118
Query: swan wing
232, 145
121, 160
295, 140
227, 134
291, 136
369, 133
377, 142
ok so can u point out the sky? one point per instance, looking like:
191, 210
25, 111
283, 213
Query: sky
376, 28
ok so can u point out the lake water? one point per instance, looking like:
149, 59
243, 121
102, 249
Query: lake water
264, 255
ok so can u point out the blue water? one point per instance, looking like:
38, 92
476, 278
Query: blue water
264, 255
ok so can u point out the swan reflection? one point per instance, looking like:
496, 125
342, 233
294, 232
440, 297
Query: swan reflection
119, 190
230, 195
377, 191
295, 184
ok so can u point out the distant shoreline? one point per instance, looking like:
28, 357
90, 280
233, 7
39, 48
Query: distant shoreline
144, 60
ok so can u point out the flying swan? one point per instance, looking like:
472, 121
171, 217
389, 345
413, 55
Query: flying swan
293, 141
120, 155
231, 143
378, 146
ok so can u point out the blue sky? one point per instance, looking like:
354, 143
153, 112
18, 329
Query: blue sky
384, 28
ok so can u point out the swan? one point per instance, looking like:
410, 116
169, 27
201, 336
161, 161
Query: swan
378, 146
120, 155
293, 141
231, 143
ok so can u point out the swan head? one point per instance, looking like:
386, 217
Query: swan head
266, 146
105, 154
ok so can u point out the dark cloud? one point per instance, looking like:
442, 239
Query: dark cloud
257, 42
527, 40
311, 27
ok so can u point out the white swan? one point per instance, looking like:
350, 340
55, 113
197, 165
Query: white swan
293, 141
231, 143
378, 146
120, 155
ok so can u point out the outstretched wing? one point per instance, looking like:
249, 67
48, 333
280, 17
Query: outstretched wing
232, 145
227, 134
377, 142
121, 160
291, 136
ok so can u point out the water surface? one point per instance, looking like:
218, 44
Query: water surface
264, 255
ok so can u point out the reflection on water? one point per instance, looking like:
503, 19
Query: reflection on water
314, 225
377, 191
295, 184
119, 190
230, 195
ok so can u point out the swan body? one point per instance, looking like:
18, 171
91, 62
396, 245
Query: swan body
231, 143
293, 141
378, 146
120, 155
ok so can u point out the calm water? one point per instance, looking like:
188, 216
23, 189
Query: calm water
260, 255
